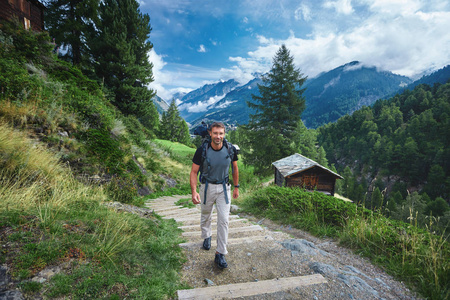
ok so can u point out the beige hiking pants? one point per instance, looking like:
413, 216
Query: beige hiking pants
215, 194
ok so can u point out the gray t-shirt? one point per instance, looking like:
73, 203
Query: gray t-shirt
217, 163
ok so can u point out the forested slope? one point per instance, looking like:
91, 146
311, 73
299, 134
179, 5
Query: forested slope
400, 144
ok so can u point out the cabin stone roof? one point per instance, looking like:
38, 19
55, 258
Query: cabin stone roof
298, 163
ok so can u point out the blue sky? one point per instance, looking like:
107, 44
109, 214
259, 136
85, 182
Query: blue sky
204, 41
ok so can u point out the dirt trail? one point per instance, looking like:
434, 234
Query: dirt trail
269, 261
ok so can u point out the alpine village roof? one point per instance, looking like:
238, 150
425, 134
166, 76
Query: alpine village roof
298, 163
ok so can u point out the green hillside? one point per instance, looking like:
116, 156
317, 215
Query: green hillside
399, 146
66, 155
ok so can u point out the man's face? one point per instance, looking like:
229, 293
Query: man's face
217, 134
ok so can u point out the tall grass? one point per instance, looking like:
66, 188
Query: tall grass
419, 257
51, 217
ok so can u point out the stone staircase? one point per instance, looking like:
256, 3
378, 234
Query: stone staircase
258, 263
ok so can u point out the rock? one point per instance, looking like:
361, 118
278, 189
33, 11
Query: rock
63, 134
234, 208
46, 274
209, 282
170, 182
142, 212
382, 283
300, 246
358, 272
357, 283
4, 278
11, 295
144, 191
323, 269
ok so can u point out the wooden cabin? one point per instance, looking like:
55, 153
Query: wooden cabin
29, 12
298, 170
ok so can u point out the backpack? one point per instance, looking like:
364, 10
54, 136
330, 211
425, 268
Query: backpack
202, 130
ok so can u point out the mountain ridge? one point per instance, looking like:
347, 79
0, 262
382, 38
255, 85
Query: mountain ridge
329, 96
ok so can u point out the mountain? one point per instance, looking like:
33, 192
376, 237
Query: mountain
161, 105
345, 89
199, 101
232, 109
440, 76
328, 96
179, 95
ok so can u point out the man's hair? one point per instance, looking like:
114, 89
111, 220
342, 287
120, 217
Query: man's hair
217, 124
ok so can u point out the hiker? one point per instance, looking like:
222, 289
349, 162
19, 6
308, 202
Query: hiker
213, 159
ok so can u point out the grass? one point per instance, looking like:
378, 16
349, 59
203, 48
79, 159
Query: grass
177, 151
48, 218
418, 257
185, 202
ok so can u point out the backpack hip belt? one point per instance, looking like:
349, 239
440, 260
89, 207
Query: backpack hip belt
223, 183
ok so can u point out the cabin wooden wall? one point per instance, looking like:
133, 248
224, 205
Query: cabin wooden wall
30, 13
37, 17
314, 178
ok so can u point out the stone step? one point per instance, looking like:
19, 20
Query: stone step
231, 241
180, 212
160, 204
232, 223
231, 235
230, 230
196, 218
247, 289
167, 209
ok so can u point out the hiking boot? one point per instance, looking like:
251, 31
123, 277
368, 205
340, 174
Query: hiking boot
207, 243
220, 261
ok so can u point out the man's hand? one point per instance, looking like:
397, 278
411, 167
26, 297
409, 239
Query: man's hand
193, 183
196, 198
235, 193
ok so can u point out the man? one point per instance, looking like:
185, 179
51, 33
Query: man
213, 161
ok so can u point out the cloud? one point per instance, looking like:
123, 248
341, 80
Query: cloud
303, 12
201, 106
407, 37
408, 42
341, 6
160, 78
175, 78
225, 104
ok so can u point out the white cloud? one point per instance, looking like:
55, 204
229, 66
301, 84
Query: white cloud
407, 37
201, 106
160, 78
201, 49
225, 104
408, 43
303, 12
341, 6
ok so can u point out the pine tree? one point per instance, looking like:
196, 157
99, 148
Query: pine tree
70, 22
272, 128
120, 48
173, 127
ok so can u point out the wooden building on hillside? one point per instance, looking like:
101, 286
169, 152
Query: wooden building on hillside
298, 170
29, 12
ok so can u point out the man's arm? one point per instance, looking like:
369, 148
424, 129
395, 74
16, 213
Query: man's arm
235, 179
193, 182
